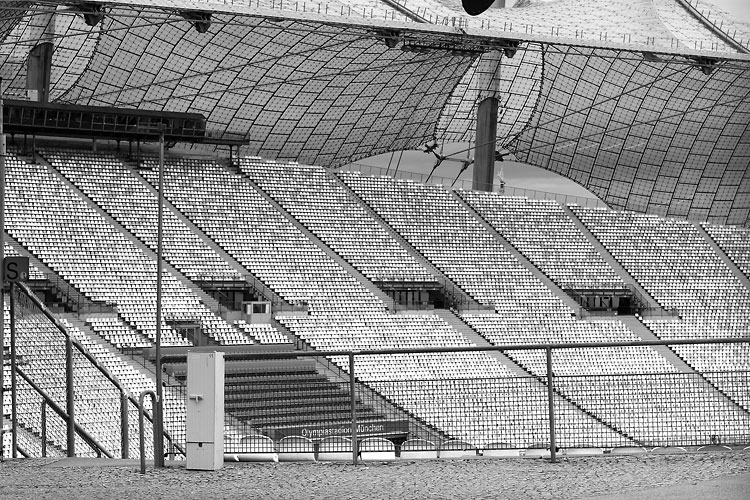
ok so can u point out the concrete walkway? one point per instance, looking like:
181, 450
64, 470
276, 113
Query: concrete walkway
689, 476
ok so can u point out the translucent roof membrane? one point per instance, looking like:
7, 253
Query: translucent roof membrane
651, 136
293, 90
659, 23
10, 13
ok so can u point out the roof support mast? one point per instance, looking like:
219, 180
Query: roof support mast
488, 73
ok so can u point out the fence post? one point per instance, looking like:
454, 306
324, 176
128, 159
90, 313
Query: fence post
141, 430
124, 426
44, 428
354, 409
13, 367
69, 396
551, 402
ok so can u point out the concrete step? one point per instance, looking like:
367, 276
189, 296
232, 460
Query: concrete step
473, 336
256, 284
450, 288
723, 256
364, 393
79, 323
389, 302
636, 326
564, 297
208, 301
624, 275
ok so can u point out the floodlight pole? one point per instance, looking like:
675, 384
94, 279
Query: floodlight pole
159, 409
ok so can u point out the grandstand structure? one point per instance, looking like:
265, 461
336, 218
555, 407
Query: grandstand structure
307, 275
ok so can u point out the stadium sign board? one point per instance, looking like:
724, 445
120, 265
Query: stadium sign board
15, 269
381, 428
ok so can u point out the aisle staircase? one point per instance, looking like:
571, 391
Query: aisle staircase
564, 297
624, 275
364, 280
471, 335
449, 287
257, 285
723, 256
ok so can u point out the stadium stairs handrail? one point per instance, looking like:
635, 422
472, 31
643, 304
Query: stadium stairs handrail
97, 447
81, 349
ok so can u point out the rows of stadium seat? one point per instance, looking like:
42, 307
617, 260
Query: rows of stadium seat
233, 214
309, 195
262, 333
452, 239
117, 333
77, 242
514, 331
543, 232
343, 314
443, 231
113, 187
671, 260
735, 242
675, 264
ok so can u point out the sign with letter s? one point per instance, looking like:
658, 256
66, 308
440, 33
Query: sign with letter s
15, 269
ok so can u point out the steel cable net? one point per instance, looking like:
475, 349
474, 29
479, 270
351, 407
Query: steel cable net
300, 91
664, 136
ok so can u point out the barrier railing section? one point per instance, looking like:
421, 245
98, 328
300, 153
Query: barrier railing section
42, 432
278, 415
659, 409
105, 413
467, 185
41, 357
735, 385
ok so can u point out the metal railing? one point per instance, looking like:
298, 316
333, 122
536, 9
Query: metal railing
467, 185
93, 413
286, 409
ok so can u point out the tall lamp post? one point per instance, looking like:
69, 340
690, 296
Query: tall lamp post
159, 410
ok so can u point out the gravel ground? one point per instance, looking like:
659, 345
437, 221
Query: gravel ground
686, 476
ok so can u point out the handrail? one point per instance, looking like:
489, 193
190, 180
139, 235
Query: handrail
90, 440
103, 370
141, 440
500, 347
150, 418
